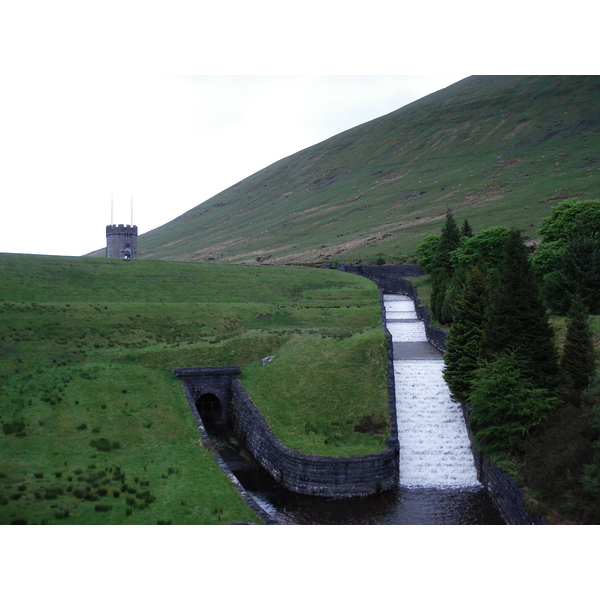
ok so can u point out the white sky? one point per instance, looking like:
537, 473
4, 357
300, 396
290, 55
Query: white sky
93, 103
71, 143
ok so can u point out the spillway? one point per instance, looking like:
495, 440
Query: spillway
434, 445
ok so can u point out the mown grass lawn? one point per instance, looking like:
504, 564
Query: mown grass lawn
96, 430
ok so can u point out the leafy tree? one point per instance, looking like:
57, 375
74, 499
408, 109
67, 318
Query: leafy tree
485, 249
577, 361
516, 317
466, 229
577, 273
569, 219
547, 258
505, 404
563, 221
463, 352
426, 252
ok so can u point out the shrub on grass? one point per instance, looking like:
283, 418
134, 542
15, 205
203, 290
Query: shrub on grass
13, 427
369, 424
103, 507
104, 445
61, 513
78, 492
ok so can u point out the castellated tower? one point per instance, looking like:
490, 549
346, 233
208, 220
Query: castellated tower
121, 241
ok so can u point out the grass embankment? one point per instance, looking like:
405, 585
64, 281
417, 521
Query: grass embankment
97, 430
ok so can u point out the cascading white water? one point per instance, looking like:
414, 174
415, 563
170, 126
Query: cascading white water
434, 444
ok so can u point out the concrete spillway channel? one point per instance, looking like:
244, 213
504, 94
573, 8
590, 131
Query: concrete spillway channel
434, 445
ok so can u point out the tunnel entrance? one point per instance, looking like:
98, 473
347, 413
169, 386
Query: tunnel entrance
209, 407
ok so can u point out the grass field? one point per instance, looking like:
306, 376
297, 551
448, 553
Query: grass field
97, 430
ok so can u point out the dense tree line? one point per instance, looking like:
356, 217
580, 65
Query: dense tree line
525, 402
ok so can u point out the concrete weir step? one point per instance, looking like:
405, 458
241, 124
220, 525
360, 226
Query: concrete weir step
416, 351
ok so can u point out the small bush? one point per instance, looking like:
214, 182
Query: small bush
13, 427
78, 492
369, 425
104, 445
61, 513
103, 507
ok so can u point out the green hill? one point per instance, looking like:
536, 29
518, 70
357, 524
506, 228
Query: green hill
495, 149
95, 429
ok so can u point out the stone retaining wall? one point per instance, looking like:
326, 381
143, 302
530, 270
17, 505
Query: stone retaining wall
309, 474
335, 477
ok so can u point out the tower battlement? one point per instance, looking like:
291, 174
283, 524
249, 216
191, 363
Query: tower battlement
121, 229
121, 241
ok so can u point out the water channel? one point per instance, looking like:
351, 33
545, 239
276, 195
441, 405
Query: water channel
438, 482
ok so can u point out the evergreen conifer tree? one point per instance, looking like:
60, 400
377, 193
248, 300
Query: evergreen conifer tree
577, 361
505, 404
578, 272
516, 319
443, 270
466, 230
464, 344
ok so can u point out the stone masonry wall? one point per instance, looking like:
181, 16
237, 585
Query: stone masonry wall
302, 473
308, 474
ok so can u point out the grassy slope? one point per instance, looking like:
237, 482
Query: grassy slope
88, 347
497, 150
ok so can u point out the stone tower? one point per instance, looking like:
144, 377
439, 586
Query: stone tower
121, 241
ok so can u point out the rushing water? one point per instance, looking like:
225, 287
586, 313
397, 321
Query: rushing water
438, 480
435, 449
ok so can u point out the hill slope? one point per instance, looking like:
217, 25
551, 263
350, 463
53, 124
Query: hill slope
496, 149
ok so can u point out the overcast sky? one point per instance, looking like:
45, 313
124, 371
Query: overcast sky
71, 143
93, 104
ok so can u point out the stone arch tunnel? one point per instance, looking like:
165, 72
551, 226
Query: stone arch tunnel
210, 390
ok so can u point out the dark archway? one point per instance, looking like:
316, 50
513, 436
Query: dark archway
210, 409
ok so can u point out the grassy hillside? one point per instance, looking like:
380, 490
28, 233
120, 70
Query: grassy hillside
497, 150
95, 429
